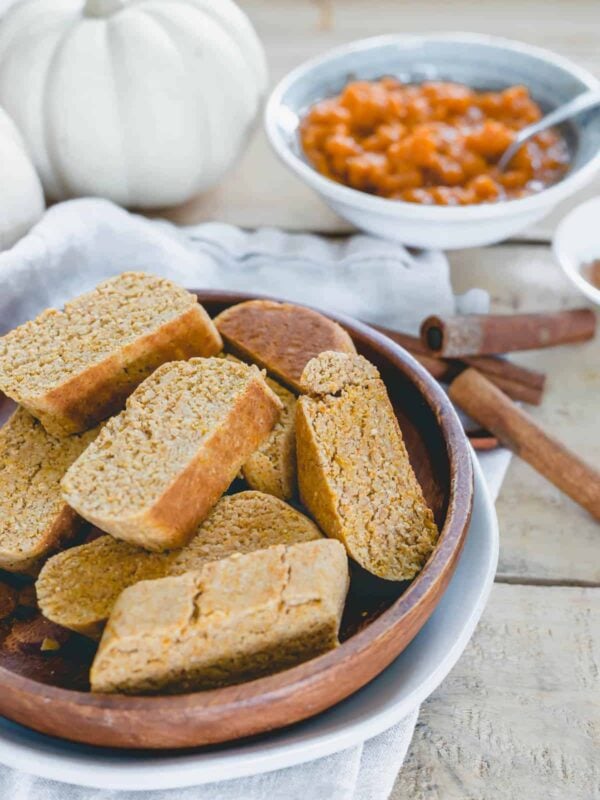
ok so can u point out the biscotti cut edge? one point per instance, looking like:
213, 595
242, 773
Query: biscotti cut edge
170, 521
65, 527
361, 488
272, 468
34, 521
100, 390
79, 587
333, 371
283, 605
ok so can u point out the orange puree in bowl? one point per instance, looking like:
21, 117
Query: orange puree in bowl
435, 143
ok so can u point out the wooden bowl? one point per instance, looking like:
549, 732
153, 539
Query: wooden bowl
48, 692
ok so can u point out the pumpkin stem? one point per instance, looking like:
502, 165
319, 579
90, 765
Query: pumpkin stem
102, 8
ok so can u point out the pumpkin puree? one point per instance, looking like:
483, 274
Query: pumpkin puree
434, 143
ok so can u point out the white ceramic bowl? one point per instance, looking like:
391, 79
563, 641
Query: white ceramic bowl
482, 62
576, 242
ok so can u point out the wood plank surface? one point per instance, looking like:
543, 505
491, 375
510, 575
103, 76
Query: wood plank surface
545, 537
519, 716
260, 191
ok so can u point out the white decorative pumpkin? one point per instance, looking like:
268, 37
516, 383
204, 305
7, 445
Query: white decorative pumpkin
146, 102
21, 195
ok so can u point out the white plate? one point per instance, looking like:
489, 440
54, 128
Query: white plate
387, 699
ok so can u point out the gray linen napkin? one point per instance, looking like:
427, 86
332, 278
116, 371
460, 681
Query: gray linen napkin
81, 242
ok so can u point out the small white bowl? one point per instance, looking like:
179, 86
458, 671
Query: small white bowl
577, 242
482, 62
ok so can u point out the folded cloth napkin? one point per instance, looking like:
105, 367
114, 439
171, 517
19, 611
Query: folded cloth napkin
81, 242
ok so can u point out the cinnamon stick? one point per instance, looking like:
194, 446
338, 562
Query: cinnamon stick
514, 389
515, 429
502, 368
482, 440
518, 382
485, 334
446, 370
440, 369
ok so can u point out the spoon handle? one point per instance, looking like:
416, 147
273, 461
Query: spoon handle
582, 102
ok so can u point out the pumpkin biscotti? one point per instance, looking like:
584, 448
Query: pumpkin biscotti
75, 367
272, 468
354, 473
79, 587
280, 337
34, 519
158, 468
232, 621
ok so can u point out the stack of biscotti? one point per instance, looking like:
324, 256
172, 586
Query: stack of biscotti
68, 370
199, 588
234, 620
79, 587
281, 338
72, 368
156, 470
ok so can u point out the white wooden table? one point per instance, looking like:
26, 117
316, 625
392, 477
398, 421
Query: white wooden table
519, 717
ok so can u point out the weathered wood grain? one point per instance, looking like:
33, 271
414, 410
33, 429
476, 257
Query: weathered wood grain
544, 535
260, 191
519, 717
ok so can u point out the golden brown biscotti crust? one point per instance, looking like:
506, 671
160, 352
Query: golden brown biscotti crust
79, 587
34, 520
354, 472
75, 367
159, 467
233, 620
280, 337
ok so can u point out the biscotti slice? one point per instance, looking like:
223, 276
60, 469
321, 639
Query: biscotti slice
34, 519
158, 468
233, 620
280, 337
354, 473
75, 367
79, 587
272, 468
241, 523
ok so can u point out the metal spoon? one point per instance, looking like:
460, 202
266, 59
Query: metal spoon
583, 102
